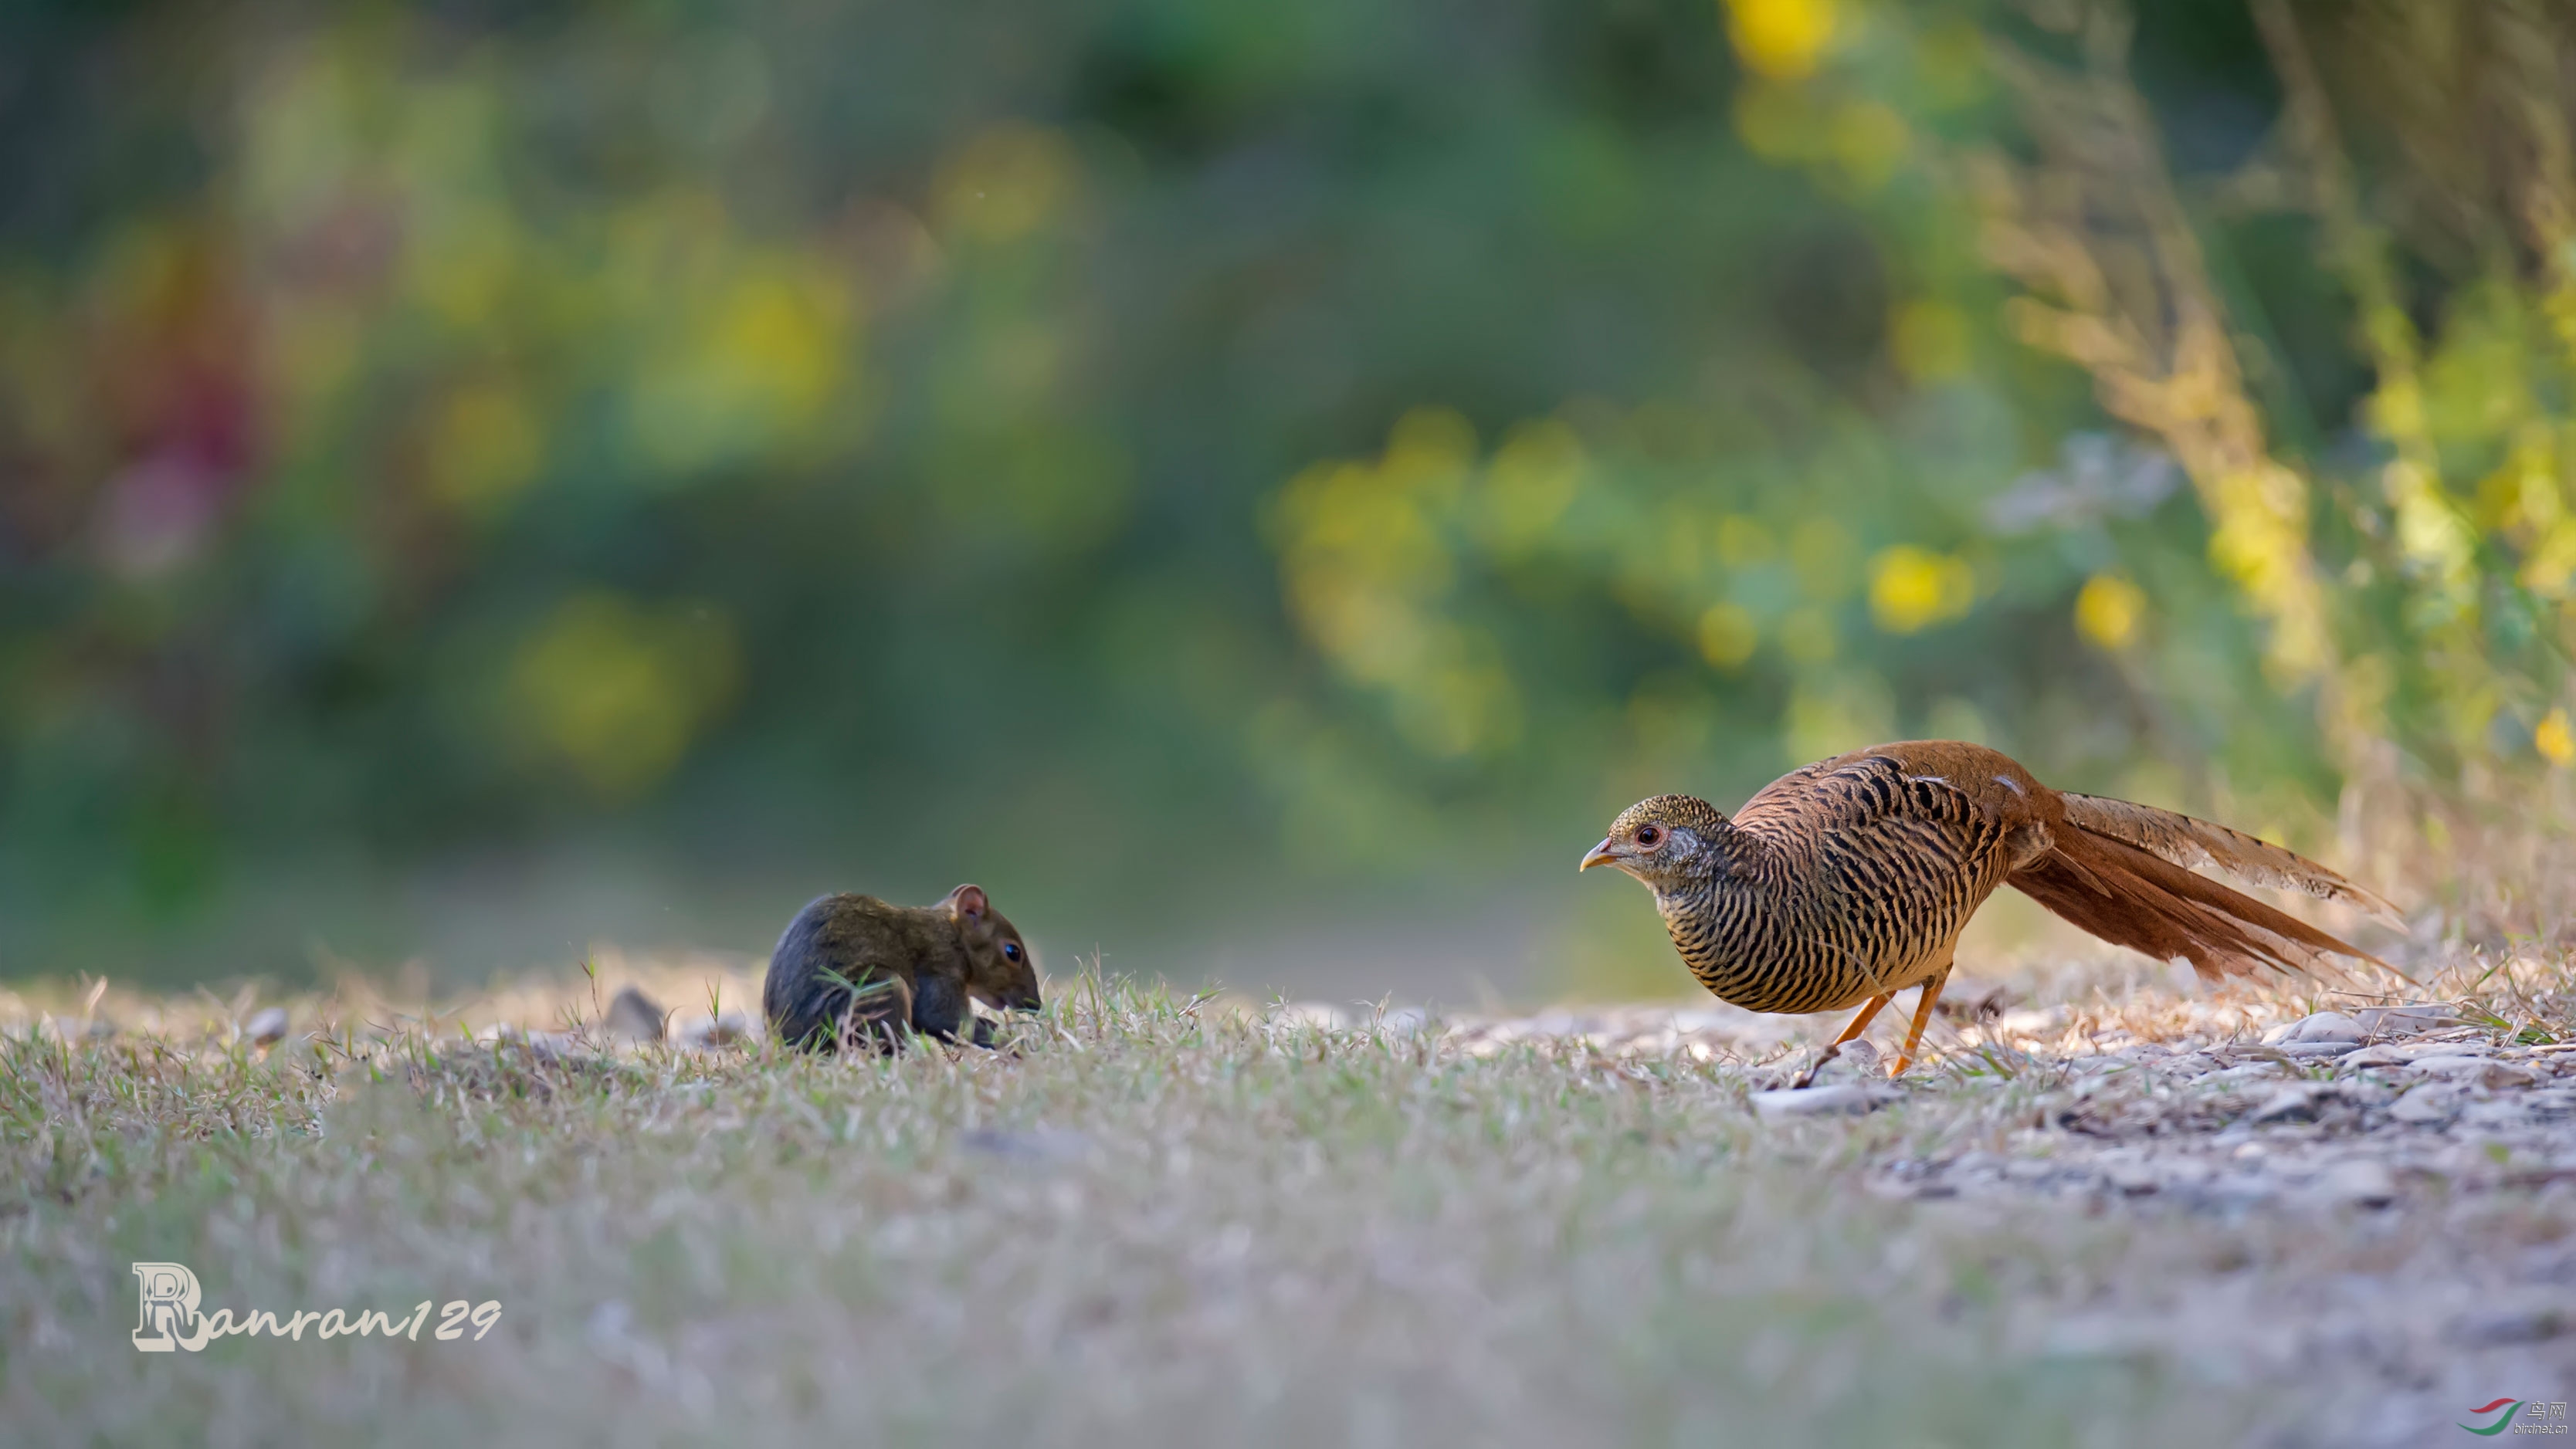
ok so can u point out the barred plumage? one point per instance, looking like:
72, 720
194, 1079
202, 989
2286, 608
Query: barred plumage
1849, 880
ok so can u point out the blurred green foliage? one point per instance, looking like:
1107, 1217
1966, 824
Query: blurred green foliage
1166, 449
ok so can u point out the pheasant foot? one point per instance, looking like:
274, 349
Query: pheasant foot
1859, 1024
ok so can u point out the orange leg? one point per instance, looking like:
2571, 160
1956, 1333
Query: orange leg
1858, 1025
1922, 1016
1861, 1022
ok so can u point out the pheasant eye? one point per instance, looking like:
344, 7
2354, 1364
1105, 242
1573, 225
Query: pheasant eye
1649, 836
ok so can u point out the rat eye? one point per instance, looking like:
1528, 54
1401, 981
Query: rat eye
1011, 951
1650, 835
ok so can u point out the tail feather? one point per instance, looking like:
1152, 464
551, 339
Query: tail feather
2186, 842
2133, 897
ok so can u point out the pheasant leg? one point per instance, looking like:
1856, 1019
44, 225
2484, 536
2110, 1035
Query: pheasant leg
1922, 1015
1859, 1024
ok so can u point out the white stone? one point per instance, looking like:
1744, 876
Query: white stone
634, 1016
2134, 1178
545, 1045
2482, 1071
1839, 1099
2551, 1102
2535, 1323
2496, 1114
2405, 1020
2426, 1105
2297, 1102
2358, 1180
705, 1032
2323, 1026
2250, 1071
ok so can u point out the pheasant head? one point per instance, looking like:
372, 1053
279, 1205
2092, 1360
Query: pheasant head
1668, 842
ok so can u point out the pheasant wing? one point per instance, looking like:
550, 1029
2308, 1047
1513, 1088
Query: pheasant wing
1902, 843
1941, 781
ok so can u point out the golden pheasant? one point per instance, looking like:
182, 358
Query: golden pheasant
1848, 881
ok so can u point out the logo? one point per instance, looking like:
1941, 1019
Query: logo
170, 1320
169, 1304
2533, 1416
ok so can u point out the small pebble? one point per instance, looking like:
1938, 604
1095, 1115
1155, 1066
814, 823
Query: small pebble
2298, 1102
634, 1016
1038, 1144
2250, 1071
2482, 1071
267, 1027
1840, 1099
2511, 1325
2427, 1105
2499, 1114
2360, 1181
2405, 1020
2417, 1050
2551, 1102
2133, 1178
700, 1033
2241, 1193
1987, 1005
543, 1045
2324, 1026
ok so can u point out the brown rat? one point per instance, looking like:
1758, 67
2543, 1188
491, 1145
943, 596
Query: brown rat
852, 965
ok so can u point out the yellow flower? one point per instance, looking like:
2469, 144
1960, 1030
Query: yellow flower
1727, 635
1913, 588
2555, 741
2108, 610
1780, 39
617, 689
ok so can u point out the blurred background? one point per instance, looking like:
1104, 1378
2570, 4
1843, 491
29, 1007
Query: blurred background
1255, 487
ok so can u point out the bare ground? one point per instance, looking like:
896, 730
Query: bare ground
2107, 1212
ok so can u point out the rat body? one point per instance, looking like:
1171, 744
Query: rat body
851, 966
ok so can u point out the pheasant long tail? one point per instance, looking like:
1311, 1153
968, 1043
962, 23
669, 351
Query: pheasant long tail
2187, 842
2121, 872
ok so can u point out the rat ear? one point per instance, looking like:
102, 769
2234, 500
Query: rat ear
967, 903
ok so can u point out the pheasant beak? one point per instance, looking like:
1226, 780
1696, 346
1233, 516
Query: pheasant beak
1600, 854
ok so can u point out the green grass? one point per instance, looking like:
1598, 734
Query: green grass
1143, 1222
